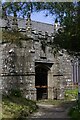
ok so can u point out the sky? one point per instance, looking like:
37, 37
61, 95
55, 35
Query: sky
40, 16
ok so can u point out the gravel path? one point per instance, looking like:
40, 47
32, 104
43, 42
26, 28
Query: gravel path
50, 111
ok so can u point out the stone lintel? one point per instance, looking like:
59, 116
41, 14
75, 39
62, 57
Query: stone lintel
44, 61
18, 74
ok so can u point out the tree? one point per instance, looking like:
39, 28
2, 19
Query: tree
67, 13
69, 37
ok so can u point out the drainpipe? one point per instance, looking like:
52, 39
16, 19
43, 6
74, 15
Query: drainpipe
79, 79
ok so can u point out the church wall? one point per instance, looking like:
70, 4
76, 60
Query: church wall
19, 62
18, 70
23, 66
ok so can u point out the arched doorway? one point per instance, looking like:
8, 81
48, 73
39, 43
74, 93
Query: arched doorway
41, 82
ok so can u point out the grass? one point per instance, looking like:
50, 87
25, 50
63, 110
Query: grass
0, 110
74, 111
14, 106
17, 107
51, 102
71, 93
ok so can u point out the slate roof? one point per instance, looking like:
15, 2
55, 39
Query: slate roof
38, 26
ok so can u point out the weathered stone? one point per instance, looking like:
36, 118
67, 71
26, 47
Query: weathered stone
27, 67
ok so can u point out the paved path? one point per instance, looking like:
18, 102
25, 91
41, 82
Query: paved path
50, 111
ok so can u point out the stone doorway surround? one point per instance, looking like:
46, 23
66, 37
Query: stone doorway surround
43, 77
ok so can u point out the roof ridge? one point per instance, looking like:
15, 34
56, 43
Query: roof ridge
41, 22
32, 20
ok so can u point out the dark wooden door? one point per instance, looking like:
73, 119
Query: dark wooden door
41, 83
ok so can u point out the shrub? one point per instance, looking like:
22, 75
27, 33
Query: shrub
74, 112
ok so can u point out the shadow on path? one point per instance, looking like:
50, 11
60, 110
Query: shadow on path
47, 111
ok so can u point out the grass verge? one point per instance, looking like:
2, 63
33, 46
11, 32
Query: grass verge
17, 107
50, 102
71, 93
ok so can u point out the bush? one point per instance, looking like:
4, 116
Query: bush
74, 112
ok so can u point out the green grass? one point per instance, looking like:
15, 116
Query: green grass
0, 110
14, 106
51, 102
17, 107
71, 93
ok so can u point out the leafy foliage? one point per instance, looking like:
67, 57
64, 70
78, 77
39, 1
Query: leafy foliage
67, 13
19, 9
69, 37
74, 111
